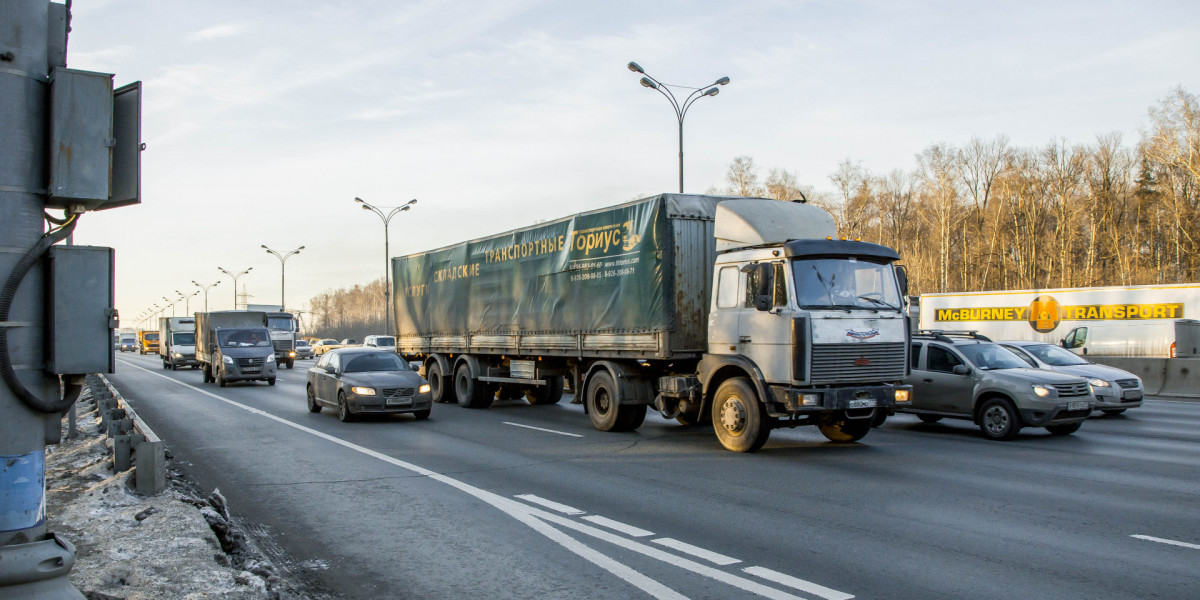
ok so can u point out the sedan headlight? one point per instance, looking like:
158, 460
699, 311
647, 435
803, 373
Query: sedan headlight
424, 389
1041, 390
227, 360
1099, 382
363, 391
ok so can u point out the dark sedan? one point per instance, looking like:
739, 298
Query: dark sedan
360, 381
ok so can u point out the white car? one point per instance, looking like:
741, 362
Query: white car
1116, 390
383, 342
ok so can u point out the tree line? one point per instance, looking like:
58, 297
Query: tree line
982, 216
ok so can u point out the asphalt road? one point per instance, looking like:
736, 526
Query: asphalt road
520, 501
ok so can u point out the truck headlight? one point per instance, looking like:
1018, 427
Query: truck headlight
810, 399
270, 358
1041, 390
902, 396
227, 360
178, 355
424, 389
1099, 382
292, 354
363, 391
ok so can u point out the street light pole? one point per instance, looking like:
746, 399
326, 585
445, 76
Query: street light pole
205, 288
235, 278
387, 286
681, 108
282, 272
187, 301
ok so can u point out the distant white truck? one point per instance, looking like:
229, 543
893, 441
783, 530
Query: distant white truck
1140, 320
282, 326
177, 342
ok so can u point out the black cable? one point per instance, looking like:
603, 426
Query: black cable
6, 299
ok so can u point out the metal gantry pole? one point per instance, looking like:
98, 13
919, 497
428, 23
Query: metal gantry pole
387, 284
680, 108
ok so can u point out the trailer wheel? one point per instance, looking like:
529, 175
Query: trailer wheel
738, 417
843, 430
471, 393
291, 362
550, 393
440, 386
602, 402
631, 416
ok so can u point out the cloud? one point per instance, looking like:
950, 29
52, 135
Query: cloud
215, 32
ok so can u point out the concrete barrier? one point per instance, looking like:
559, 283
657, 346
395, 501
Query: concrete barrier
1178, 377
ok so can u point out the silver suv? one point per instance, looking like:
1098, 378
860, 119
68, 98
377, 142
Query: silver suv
963, 375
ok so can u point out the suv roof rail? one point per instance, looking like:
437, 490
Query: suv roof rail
945, 335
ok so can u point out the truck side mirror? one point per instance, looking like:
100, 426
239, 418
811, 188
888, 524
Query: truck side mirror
763, 296
961, 370
762, 302
902, 279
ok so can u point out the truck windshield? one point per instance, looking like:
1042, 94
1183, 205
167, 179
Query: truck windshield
1054, 356
279, 323
152, 337
991, 356
243, 338
184, 339
845, 283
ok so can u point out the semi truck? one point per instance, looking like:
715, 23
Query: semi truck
745, 313
282, 326
177, 342
234, 345
1137, 320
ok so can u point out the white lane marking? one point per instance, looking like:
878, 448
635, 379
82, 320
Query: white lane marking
628, 530
550, 504
696, 551
542, 429
1166, 541
529, 515
800, 584
521, 512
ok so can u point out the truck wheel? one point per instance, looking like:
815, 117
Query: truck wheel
1067, 429
998, 419
270, 381
221, 379
738, 418
471, 393
631, 416
174, 366
602, 401
440, 386
206, 374
291, 362
313, 405
843, 430
550, 393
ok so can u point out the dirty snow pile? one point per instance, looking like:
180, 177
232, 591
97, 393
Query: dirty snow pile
133, 547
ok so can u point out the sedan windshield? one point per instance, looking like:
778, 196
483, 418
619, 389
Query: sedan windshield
991, 356
375, 361
846, 283
1054, 356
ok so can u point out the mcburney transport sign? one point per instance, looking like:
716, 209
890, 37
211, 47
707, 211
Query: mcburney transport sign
1023, 314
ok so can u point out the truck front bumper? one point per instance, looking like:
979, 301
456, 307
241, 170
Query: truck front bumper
793, 400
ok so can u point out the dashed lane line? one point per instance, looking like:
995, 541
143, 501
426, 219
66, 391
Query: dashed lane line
1150, 538
576, 435
550, 504
628, 530
696, 551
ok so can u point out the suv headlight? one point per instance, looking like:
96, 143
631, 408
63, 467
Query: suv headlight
1099, 382
363, 391
1042, 391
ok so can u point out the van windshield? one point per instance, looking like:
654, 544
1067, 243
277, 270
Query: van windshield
243, 338
845, 283
1054, 356
184, 339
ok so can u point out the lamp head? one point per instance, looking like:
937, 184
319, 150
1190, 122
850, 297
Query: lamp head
357, 199
712, 92
300, 248
635, 68
722, 81
650, 84
264, 246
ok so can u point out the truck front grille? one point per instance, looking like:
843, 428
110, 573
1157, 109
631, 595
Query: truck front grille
251, 362
843, 363
281, 345
1071, 390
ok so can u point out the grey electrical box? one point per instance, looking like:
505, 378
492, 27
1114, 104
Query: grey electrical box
80, 316
81, 138
126, 186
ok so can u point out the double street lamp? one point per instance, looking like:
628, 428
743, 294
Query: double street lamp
187, 301
235, 278
387, 286
681, 108
206, 288
282, 271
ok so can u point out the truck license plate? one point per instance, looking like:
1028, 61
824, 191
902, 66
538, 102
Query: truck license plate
868, 403
1078, 405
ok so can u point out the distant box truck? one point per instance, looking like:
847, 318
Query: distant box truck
177, 342
1138, 320
234, 345
147, 341
743, 312
283, 328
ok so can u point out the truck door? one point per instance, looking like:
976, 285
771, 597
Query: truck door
766, 336
723, 318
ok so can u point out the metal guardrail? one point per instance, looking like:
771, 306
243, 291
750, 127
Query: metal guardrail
134, 444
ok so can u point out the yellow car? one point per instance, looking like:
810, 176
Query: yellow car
320, 347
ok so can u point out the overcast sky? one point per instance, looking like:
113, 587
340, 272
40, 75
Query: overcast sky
263, 120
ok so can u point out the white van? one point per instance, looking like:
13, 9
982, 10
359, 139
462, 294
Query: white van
1159, 339
383, 342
